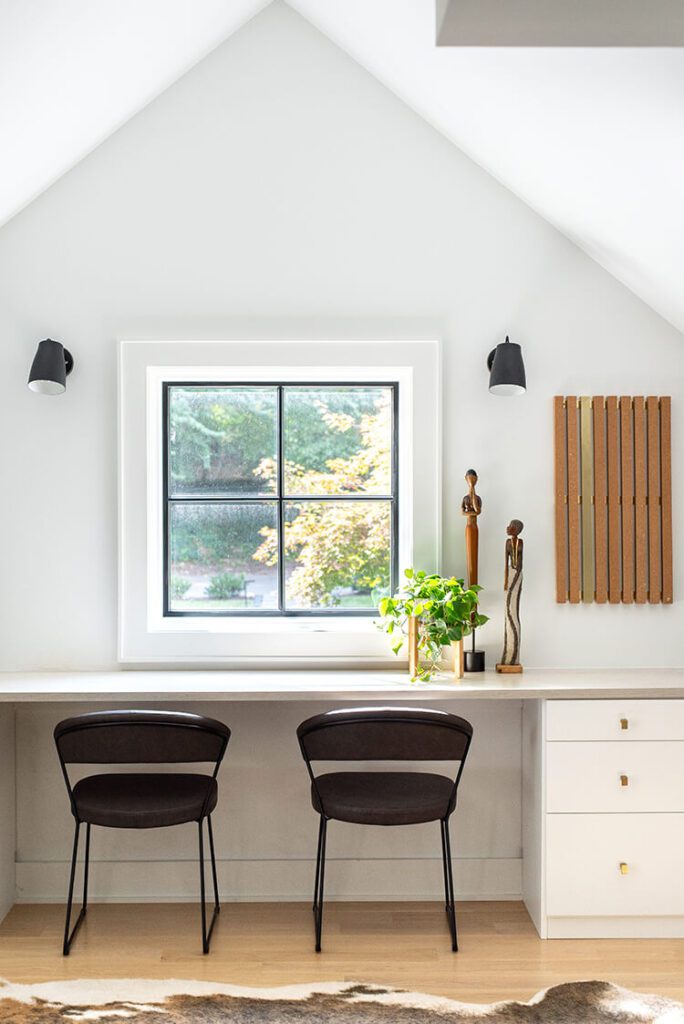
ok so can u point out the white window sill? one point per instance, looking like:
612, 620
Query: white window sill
266, 624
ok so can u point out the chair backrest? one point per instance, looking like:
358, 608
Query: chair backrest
140, 737
385, 734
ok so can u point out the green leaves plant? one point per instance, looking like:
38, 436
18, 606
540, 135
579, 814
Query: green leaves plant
447, 611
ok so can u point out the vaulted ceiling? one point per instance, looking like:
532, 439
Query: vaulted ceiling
591, 138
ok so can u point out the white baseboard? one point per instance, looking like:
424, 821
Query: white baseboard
273, 880
616, 928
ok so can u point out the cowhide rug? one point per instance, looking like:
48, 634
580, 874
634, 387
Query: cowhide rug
207, 1002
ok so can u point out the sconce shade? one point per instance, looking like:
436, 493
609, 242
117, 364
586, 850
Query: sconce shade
506, 369
51, 366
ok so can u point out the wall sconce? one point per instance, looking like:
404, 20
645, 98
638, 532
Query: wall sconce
50, 368
506, 369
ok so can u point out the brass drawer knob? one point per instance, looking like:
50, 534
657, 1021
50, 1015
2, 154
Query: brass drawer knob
624, 723
624, 780
624, 868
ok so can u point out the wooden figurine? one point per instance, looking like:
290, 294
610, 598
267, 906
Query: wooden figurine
510, 659
471, 507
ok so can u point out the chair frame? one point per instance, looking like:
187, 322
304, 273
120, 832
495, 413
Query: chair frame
319, 883
83, 723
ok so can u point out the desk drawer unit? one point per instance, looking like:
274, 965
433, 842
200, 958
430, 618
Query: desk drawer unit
619, 720
608, 818
640, 776
614, 864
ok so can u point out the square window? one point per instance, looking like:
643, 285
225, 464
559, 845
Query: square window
279, 499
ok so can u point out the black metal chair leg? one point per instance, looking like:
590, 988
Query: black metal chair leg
206, 935
321, 884
444, 867
69, 936
451, 910
217, 905
86, 869
318, 864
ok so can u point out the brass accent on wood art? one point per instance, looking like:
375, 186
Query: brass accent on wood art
613, 499
587, 476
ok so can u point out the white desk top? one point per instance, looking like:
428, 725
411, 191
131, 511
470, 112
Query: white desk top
128, 686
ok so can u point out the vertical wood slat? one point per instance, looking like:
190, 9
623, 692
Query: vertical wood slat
640, 508
600, 500
654, 535
627, 503
612, 450
666, 495
561, 508
587, 477
573, 502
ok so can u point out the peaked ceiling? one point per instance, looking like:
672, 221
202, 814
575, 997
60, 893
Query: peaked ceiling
593, 139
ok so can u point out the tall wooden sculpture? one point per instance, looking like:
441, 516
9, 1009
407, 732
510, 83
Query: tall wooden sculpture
513, 573
471, 507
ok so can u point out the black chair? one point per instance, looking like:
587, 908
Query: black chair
141, 800
384, 798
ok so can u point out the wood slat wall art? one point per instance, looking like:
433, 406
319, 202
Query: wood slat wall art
600, 503
561, 502
613, 499
572, 448
627, 498
614, 532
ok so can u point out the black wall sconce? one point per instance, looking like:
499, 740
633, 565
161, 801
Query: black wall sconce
50, 368
506, 369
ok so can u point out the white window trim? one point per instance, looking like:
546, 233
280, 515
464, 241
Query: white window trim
145, 635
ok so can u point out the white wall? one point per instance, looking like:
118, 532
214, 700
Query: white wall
265, 826
278, 189
278, 179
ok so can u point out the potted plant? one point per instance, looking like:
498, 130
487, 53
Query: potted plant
431, 612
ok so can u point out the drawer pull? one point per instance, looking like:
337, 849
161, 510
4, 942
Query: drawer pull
624, 780
624, 868
624, 723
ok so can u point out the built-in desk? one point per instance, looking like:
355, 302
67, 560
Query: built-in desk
549, 684
598, 856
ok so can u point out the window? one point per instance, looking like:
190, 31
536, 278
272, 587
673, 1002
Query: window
285, 449
280, 499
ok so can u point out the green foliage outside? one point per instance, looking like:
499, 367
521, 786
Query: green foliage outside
445, 609
179, 587
336, 442
225, 585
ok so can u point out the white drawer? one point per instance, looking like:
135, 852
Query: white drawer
584, 853
634, 776
620, 720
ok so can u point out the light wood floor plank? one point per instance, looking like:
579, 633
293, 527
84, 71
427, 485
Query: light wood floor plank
401, 944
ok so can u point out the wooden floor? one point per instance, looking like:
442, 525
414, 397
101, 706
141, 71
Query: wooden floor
400, 944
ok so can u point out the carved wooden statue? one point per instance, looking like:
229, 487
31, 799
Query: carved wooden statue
471, 506
510, 659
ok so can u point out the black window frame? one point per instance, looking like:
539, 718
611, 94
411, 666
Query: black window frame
280, 499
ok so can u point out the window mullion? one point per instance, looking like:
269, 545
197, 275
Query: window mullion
281, 506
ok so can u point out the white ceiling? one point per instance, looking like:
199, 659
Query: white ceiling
593, 139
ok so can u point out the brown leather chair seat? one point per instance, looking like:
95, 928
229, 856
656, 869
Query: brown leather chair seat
382, 798
150, 800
